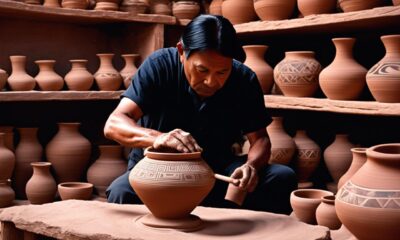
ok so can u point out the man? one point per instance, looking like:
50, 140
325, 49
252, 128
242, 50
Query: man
196, 97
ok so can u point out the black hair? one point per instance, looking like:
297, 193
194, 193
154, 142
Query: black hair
211, 32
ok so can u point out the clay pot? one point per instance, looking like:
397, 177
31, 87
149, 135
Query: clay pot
134, 7
51, 3
255, 61
357, 5
369, 203
7, 194
269, 10
7, 160
297, 74
47, 78
19, 80
216, 7
396, 2
107, 5
8, 137
162, 7
326, 213
41, 187
75, 190
282, 145
383, 79
107, 77
344, 78
75, 4
239, 11
129, 69
310, 7
3, 78
305, 202
28, 150
79, 78
69, 153
106, 168
358, 160
185, 9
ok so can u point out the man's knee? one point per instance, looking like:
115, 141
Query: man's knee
121, 192
281, 174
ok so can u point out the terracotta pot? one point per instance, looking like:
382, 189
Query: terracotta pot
185, 9
75, 4
107, 77
344, 78
383, 79
107, 5
28, 150
268, 10
8, 137
106, 168
7, 160
369, 203
396, 2
75, 190
69, 153
129, 69
47, 78
162, 7
216, 7
358, 160
357, 5
3, 78
51, 3
326, 213
79, 78
255, 61
297, 74
305, 202
19, 80
134, 7
41, 187
239, 11
7, 194
310, 7
282, 145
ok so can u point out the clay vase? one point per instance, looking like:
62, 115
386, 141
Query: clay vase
19, 80
216, 7
3, 78
129, 69
106, 168
344, 78
185, 9
107, 77
162, 7
69, 153
383, 79
255, 61
28, 150
357, 5
368, 204
269, 10
239, 11
310, 7
171, 185
396, 2
358, 160
326, 213
41, 187
7, 194
7, 160
51, 3
75, 4
307, 159
305, 202
297, 74
282, 145
79, 78
8, 137
47, 78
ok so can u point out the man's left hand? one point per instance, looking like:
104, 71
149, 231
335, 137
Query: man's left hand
248, 177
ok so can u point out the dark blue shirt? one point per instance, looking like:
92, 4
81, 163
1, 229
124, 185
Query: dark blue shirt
161, 90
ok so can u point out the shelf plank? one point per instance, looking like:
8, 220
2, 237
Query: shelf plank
326, 105
38, 12
25, 96
376, 18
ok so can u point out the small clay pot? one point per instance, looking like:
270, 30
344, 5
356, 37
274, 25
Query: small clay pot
75, 190
326, 213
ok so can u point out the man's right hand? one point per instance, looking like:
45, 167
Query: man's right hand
177, 139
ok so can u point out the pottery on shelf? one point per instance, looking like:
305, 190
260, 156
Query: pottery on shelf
51, 3
79, 78
134, 7
8, 137
129, 69
20, 80
107, 5
310, 7
3, 78
185, 9
326, 213
270, 10
358, 159
357, 5
239, 11
75, 190
75, 4
7, 159
216, 7
47, 78
41, 187
282, 145
7, 194
107, 77
162, 7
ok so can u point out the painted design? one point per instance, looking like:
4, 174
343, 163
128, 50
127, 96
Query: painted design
386, 69
281, 155
298, 72
309, 155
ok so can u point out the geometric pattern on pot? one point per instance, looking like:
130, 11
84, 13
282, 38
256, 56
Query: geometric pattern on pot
310, 154
298, 72
369, 198
387, 68
279, 153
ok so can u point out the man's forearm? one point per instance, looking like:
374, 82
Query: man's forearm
259, 153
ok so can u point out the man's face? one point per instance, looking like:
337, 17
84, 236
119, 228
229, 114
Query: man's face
206, 71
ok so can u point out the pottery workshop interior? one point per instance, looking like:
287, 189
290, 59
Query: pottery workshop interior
200, 119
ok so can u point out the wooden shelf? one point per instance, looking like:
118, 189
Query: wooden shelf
20, 96
325, 105
38, 12
377, 18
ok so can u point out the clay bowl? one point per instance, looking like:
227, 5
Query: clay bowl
75, 190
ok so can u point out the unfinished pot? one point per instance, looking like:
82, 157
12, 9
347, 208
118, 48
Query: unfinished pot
41, 187
47, 78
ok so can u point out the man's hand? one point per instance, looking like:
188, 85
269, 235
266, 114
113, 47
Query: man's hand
248, 177
177, 139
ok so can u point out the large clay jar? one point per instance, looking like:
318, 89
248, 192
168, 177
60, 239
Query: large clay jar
19, 80
344, 78
8, 137
369, 203
79, 78
107, 77
171, 185
269, 10
383, 79
28, 150
216, 7
129, 69
7, 194
297, 74
3, 78
357, 5
255, 61
239, 11
307, 159
41, 187
69, 153
310, 7
282, 145
106, 168
326, 213
47, 78
7, 160
185, 9
358, 160
162, 7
